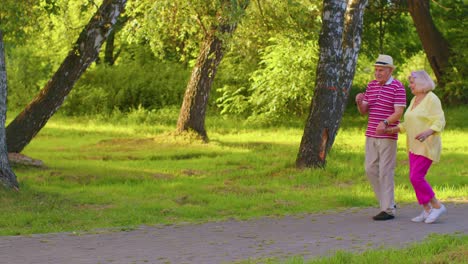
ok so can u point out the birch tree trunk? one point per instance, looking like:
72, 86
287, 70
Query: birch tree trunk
193, 110
435, 46
340, 41
7, 176
85, 51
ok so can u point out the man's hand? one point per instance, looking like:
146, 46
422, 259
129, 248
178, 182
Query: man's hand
359, 98
380, 130
361, 105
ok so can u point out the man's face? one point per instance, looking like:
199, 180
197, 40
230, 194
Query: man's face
382, 74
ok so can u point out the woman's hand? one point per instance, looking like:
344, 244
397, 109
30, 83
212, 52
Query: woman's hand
423, 135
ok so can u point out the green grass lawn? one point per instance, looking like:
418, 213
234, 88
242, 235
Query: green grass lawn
103, 174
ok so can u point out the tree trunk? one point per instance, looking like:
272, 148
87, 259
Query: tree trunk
7, 176
109, 55
435, 46
351, 45
86, 49
193, 110
381, 26
339, 42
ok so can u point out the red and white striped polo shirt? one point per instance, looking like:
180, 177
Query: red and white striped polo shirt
382, 100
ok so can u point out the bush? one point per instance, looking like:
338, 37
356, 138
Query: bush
151, 85
26, 74
281, 87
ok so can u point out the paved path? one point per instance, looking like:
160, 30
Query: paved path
310, 235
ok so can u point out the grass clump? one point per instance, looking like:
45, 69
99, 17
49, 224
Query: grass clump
437, 249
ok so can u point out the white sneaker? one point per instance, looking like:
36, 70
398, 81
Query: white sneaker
420, 218
435, 213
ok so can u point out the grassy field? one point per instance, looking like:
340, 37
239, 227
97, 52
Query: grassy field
126, 172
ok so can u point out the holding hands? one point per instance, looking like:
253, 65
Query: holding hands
381, 129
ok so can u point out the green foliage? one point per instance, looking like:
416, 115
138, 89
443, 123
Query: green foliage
388, 29
45, 41
248, 72
26, 76
270, 43
280, 88
165, 26
364, 72
18, 18
126, 86
283, 86
450, 18
174, 29
414, 63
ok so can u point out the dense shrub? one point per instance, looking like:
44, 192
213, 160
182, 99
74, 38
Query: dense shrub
280, 87
133, 85
26, 74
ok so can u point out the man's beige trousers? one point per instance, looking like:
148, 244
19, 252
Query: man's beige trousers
380, 169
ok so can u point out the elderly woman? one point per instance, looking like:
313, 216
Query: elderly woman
423, 121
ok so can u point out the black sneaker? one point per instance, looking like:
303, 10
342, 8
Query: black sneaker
382, 216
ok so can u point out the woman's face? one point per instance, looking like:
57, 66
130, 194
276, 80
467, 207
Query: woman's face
412, 85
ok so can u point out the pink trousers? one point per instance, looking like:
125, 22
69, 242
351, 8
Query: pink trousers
419, 165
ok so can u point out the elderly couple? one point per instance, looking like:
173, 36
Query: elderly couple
384, 102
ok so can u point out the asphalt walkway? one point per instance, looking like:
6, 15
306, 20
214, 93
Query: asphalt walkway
310, 236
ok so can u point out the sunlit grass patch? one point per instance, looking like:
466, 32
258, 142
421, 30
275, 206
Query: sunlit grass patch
437, 249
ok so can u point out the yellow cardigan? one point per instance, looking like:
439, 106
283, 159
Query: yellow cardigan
428, 114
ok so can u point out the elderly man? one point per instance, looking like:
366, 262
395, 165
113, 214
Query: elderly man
384, 101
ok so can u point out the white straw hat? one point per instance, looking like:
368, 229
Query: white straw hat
385, 61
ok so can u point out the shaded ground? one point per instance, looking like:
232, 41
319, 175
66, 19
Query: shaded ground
310, 235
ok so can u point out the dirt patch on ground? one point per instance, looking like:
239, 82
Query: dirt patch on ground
20, 159
310, 236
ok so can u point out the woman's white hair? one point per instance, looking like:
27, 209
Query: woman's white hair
423, 81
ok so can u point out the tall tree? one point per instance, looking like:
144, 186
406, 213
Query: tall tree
85, 51
7, 176
339, 42
193, 110
435, 45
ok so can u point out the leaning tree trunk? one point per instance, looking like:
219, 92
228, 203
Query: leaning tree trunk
339, 42
435, 46
193, 110
86, 49
7, 176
